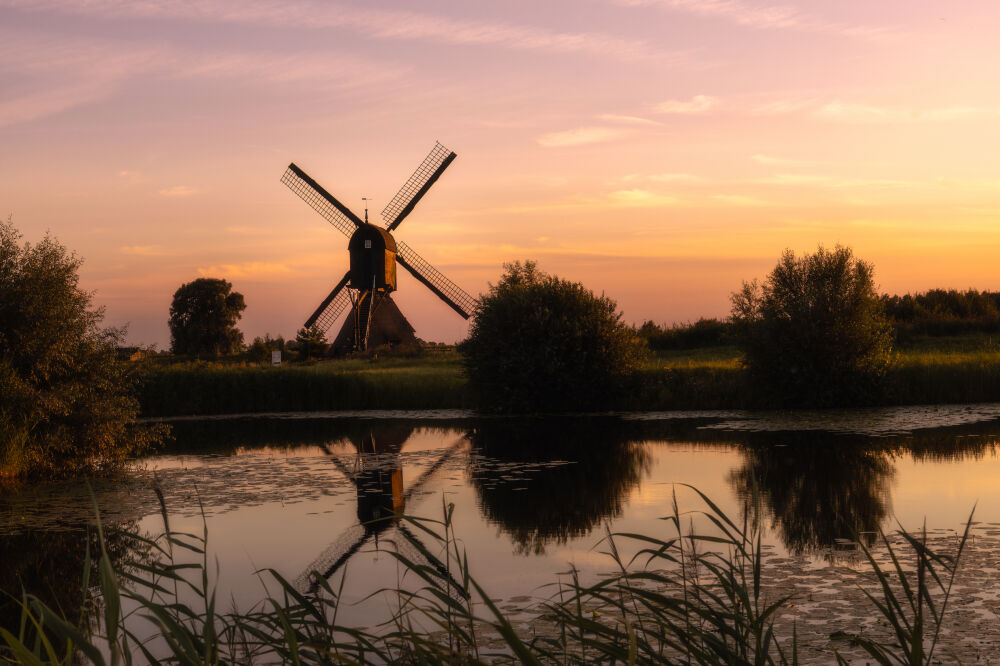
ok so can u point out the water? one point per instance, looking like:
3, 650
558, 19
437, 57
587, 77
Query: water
532, 497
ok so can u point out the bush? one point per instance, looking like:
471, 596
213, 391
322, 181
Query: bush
66, 401
814, 333
539, 343
311, 342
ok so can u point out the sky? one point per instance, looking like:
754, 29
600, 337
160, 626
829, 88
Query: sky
659, 151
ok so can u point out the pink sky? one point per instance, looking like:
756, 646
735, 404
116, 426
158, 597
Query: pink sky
660, 151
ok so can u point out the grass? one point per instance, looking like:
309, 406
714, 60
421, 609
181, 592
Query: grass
683, 598
928, 370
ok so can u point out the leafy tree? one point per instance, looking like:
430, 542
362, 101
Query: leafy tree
66, 401
203, 318
540, 343
311, 342
814, 333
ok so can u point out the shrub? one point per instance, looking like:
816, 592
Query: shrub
814, 333
540, 343
66, 401
311, 342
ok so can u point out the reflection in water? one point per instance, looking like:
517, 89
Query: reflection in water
377, 476
50, 565
576, 472
819, 488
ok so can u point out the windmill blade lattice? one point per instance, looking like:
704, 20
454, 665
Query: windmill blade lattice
459, 299
336, 302
416, 187
322, 201
332, 558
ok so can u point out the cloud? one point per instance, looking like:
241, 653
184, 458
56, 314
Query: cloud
77, 72
144, 250
695, 105
581, 136
740, 200
373, 23
249, 270
675, 178
627, 120
761, 16
771, 160
640, 199
178, 191
850, 112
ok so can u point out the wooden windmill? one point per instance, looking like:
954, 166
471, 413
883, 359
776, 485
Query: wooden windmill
366, 287
377, 476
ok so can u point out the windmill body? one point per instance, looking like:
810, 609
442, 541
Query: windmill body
374, 318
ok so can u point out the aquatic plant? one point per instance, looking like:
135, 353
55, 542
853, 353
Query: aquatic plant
684, 597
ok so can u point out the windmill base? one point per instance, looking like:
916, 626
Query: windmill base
388, 327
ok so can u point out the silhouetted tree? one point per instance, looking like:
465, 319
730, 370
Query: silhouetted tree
66, 401
203, 318
311, 342
540, 343
814, 333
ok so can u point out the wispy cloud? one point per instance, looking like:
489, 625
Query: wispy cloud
761, 16
695, 105
376, 23
178, 191
249, 270
581, 136
626, 120
76, 72
144, 250
772, 160
850, 112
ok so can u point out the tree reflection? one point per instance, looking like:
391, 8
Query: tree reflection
819, 488
49, 564
548, 480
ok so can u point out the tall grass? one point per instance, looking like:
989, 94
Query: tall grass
684, 597
216, 389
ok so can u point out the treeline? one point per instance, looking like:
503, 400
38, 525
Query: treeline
937, 312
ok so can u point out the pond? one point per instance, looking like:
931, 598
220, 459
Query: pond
532, 497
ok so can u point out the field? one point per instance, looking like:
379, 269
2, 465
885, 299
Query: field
952, 369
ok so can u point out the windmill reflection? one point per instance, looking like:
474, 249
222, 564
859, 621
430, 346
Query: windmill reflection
823, 491
549, 480
377, 476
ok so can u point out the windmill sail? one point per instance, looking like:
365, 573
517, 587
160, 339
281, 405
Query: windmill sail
331, 307
416, 187
322, 201
449, 292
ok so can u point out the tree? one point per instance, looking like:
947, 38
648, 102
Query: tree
66, 402
814, 333
203, 318
540, 343
311, 342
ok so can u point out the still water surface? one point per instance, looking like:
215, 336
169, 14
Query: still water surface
532, 496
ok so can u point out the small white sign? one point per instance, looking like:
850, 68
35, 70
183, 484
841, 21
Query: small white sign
276, 357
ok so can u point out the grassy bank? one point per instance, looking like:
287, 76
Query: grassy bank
425, 382
930, 370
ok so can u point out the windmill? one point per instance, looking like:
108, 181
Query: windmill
377, 476
374, 253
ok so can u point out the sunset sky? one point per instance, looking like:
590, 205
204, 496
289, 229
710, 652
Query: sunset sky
659, 151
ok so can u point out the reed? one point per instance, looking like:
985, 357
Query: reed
685, 597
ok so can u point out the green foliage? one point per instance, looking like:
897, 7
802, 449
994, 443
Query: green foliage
943, 312
66, 402
702, 333
540, 343
311, 342
203, 318
814, 333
